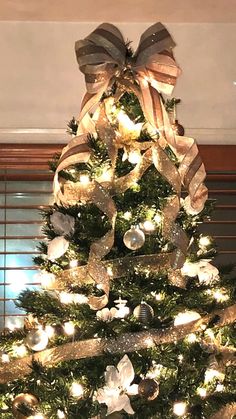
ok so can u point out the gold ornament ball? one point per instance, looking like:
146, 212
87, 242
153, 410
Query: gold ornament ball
178, 128
37, 340
148, 388
134, 238
144, 313
24, 398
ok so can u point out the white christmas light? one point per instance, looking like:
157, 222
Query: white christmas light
73, 263
60, 414
5, 358
211, 374
179, 408
158, 218
220, 387
37, 416
186, 317
201, 391
20, 350
69, 328
76, 390
158, 296
84, 179
220, 295
204, 241
148, 226
191, 338
127, 215
180, 358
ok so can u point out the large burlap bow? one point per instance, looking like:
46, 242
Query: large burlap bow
103, 58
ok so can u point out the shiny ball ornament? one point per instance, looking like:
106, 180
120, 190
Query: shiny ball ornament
29, 400
148, 388
144, 313
134, 238
178, 128
37, 340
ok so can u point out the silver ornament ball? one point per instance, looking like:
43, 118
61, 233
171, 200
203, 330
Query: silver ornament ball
144, 313
134, 238
37, 340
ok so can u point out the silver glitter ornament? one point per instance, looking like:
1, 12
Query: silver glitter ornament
134, 238
148, 388
37, 340
144, 313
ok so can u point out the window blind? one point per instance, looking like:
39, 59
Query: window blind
22, 195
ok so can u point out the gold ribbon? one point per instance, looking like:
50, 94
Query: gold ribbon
103, 58
124, 343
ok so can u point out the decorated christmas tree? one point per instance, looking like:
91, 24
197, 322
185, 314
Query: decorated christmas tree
132, 320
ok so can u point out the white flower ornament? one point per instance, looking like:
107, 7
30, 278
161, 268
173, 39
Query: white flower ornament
118, 386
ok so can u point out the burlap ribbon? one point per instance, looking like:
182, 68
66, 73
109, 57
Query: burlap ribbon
103, 58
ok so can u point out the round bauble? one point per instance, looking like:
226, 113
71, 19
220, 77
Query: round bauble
178, 128
134, 238
148, 388
27, 399
144, 313
37, 340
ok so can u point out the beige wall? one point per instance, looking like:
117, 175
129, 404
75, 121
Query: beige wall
41, 87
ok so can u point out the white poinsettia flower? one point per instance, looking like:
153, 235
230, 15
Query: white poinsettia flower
118, 386
106, 315
63, 224
57, 247
207, 273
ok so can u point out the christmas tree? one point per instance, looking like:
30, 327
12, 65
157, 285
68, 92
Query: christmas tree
132, 320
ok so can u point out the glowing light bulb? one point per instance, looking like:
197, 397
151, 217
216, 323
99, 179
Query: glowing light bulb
158, 218
191, 338
76, 390
204, 241
220, 295
5, 358
179, 408
201, 391
186, 317
212, 374
80, 299
84, 179
148, 226
20, 350
127, 215
37, 416
69, 328
50, 331
73, 263
219, 387
60, 414
158, 296
180, 358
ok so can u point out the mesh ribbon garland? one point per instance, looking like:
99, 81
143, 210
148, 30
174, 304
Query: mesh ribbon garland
103, 58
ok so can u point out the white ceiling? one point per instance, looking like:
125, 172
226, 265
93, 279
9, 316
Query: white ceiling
119, 10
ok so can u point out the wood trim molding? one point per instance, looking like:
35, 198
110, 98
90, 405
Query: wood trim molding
217, 158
